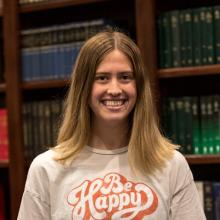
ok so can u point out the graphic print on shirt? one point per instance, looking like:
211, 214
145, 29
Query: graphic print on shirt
113, 197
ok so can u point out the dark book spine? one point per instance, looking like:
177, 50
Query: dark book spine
172, 119
208, 200
183, 40
160, 40
180, 124
216, 122
188, 119
167, 40
204, 124
196, 128
216, 194
210, 125
209, 35
204, 35
216, 12
188, 34
175, 38
2, 202
196, 37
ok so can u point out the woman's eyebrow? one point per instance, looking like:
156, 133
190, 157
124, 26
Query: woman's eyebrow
102, 72
120, 72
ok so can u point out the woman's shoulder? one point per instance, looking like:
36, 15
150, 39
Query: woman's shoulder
43, 157
45, 160
178, 165
177, 158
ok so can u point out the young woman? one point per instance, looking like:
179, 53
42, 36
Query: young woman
111, 161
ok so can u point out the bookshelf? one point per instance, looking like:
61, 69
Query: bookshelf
188, 71
201, 80
45, 84
39, 6
2, 87
201, 159
140, 18
191, 82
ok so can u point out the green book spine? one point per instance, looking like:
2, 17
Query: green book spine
172, 119
196, 37
210, 125
188, 33
204, 124
188, 119
216, 12
209, 36
180, 124
175, 38
167, 40
218, 143
204, 34
196, 132
216, 122
183, 38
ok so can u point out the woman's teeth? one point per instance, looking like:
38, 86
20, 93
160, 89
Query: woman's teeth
113, 103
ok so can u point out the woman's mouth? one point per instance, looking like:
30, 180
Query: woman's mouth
113, 103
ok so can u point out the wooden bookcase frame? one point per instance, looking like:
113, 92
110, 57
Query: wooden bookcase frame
13, 87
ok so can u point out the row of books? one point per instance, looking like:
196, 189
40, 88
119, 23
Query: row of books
50, 52
31, 1
209, 193
193, 123
49, 62
40, 125
62, 33
2, 203
3, 135
189, 37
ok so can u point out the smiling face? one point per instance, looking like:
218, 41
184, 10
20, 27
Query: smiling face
113, 94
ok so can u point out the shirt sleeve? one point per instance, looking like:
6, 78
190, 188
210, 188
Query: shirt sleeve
185, 202
32, 207
35, 203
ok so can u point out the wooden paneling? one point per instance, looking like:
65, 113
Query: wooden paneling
13, 103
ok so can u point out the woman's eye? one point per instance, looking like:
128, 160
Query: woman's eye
101, 78
126, 77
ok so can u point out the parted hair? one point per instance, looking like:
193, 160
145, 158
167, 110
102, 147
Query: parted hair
148, 149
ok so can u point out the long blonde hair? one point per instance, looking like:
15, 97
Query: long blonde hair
148, 150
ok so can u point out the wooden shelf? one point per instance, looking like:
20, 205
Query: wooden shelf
2, 87
44, 84
39, 6
4, 164
189, 71
203, 159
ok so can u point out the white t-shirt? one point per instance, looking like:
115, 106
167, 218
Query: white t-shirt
100, 185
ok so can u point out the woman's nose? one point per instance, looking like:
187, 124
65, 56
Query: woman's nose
114, 88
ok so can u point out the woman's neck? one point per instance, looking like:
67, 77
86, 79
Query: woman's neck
109, 137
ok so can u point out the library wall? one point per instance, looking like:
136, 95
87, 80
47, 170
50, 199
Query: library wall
39, 43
